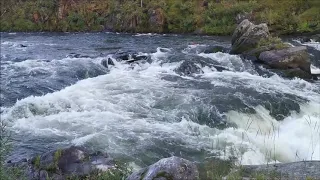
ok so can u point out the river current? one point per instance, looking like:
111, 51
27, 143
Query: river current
55, 92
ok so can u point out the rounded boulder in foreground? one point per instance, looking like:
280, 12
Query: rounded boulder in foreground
173, 168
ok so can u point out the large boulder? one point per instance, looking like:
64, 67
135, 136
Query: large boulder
290, 58
247, 36
64, 163
168, 169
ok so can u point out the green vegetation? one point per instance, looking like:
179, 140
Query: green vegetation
8, 173
218, 17
273, 41
120, 172
37, 162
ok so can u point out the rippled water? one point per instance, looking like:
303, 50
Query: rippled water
55, 92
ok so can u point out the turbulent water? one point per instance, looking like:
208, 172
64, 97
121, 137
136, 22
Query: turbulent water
55, 92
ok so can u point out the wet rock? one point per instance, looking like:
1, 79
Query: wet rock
316, 38
215, 49
296, 72
107, 62
188, 68
254, 54
305, 39
168, 169
290, 58
295, 170
60, 164
247, 36
130, 57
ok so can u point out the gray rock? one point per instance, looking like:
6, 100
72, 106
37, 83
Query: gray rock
290, 58
247, 35
188, 68
316, 38
215, 49
242, 16
295, 170
254, 54
130, 56
173, 168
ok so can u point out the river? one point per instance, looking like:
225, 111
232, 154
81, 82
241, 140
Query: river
55, 93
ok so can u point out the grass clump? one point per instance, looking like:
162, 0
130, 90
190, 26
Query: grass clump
216, 169
37, 162
120, 172
272, 41
6, 172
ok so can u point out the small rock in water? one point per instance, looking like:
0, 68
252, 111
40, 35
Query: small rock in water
188, 68
130, 57
215, 49
107, 62
173, 168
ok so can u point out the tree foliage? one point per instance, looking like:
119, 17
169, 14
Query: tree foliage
217, 17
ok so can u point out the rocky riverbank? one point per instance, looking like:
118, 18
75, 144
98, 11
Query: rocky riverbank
78, 163
254, 42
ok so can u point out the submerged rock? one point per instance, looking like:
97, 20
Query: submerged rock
64, 163
290, 58
126, 57
247, 36
173, 168
215, 49
306, 39
130, 56
107, 62
188, 68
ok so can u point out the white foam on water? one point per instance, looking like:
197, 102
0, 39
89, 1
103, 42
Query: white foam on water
264, 139
274, 84
193, 48
314, 70
146, 34
313, 44
231, 61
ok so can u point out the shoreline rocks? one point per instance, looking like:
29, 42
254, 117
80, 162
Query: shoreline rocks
253, 42
78, 163
64, 163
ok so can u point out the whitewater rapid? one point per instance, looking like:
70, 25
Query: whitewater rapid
143, 110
